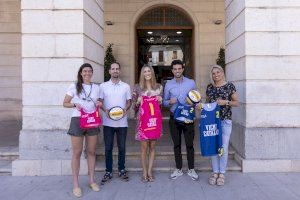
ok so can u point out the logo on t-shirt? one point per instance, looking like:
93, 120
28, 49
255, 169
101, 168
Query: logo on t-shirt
211, 130
203, 116
152, 122
91, 119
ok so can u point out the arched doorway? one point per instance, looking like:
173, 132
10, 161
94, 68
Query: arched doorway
163, 34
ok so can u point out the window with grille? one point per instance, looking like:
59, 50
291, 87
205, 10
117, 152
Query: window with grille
164, 16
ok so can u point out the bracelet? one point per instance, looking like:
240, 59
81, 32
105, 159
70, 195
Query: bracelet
227, 103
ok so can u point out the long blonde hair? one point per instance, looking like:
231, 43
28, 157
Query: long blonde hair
143, 80
219, 68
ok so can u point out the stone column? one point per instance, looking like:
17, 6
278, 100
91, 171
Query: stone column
57, 37
262, 56
10, 72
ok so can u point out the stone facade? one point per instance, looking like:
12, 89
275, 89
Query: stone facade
208, 37
260, 59
10, 61
262, 54
51, 55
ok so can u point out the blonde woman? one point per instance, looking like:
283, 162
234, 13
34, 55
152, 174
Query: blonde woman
147, 87
224, 93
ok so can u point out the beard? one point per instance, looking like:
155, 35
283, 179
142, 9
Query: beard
115, 75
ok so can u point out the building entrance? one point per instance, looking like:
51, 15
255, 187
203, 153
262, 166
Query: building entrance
164, 34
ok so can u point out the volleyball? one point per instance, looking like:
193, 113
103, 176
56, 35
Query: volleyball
116, 113
193, 97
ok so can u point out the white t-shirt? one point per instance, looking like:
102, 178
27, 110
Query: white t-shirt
87, 98
114, 94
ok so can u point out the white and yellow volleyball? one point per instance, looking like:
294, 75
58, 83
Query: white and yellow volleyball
116, 113
193, 97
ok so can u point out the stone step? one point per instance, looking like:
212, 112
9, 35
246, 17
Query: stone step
168, 165
164, 146
5, 167
161, 153
9, 153
160, 157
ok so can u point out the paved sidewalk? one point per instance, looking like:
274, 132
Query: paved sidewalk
252, 186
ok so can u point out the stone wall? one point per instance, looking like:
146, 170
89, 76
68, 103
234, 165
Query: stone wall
263, 54
57, 37
10, 61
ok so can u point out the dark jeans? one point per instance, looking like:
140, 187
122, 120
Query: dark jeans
109, 133
188, 131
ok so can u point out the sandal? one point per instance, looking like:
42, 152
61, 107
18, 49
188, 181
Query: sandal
77, 192
144, 179
221, 180
213, 179
151, 178
95, 187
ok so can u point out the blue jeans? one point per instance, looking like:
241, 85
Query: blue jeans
219, 164
109, 133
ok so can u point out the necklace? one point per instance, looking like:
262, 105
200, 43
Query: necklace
87, 97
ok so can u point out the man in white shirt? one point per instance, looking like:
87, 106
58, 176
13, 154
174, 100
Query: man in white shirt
115, 93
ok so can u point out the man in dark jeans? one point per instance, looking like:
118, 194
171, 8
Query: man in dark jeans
175, 92
115, 93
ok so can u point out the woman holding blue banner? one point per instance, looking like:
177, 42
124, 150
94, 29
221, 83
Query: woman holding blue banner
147, 97
224, 93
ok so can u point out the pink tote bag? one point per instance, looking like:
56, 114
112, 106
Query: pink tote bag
90, 120
150, 119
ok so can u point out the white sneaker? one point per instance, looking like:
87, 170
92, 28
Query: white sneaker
176, 174
192, 173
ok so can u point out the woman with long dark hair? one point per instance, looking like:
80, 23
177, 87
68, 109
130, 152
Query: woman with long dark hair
224, 93
83, 94
146, 87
